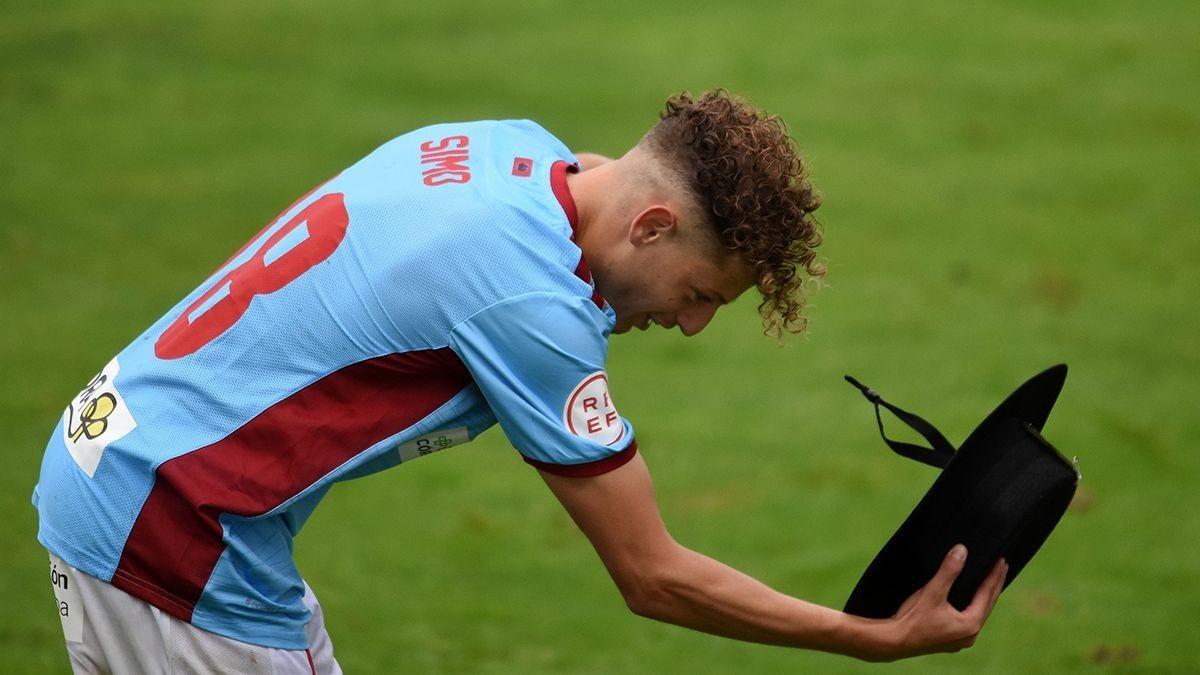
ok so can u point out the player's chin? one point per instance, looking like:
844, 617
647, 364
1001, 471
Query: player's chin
623, 325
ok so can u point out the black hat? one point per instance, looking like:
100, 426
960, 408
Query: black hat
1000, 494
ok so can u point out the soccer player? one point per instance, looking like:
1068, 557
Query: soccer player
458, 276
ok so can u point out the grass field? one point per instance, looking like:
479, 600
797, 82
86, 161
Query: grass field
1007, 186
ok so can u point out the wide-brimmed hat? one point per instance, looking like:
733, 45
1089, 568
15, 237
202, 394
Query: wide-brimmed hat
1000, 493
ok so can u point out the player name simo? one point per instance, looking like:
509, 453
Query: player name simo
447, 161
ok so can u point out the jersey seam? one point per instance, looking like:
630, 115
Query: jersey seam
519, 296
152, 588
547, 200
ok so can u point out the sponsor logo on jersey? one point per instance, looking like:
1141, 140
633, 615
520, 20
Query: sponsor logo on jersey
522, 166
447, 161
431, 443
95, 418
590, 412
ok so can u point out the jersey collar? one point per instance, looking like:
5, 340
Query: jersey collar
558, 184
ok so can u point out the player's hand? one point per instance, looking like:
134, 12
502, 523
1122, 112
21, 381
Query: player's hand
928, 623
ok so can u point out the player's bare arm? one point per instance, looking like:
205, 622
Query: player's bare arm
712, 202
661, 579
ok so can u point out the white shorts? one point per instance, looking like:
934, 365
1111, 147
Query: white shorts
109, 631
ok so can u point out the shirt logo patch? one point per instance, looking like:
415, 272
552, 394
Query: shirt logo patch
522, 166
431, 443
95, 418
590, 412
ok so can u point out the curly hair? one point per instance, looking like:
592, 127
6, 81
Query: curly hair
746, 174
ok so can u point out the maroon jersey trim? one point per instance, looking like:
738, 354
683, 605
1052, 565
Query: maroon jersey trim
588, 468
558, 183
177, 538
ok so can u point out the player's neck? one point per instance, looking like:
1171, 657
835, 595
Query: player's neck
588, 189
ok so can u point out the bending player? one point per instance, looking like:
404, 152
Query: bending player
458, 276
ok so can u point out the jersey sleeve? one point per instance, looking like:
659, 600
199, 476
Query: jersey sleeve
539, 361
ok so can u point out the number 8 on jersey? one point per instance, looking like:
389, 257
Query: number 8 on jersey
307, 239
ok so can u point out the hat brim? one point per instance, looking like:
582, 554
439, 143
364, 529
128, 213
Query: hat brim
1030, 403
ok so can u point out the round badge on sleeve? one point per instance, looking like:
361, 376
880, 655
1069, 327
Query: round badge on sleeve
590, 412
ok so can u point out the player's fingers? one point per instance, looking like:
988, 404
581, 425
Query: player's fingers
988, 591
952, 564
999, 585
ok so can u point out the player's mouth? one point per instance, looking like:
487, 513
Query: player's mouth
649, 320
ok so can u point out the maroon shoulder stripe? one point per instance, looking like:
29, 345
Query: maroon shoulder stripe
177, 538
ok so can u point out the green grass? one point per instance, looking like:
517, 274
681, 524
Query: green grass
1007, 186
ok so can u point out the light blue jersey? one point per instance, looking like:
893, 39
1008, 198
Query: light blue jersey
420, 296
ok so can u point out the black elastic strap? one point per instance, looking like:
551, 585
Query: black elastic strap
938, 456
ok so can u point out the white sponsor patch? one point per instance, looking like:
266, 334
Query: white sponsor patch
590, 412
95, 418
431, 443
66, 598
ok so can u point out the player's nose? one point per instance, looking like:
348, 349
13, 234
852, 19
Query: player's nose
695, 320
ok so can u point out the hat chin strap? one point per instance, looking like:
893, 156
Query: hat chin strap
936, 456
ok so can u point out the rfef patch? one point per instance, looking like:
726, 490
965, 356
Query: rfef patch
590, 412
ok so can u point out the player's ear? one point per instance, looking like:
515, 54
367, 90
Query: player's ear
651, 225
